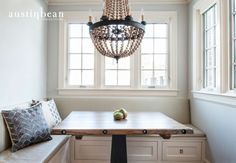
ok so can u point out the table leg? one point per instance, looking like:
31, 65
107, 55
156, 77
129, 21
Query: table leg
118, 149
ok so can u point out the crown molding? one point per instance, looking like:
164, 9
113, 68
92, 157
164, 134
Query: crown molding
98, 2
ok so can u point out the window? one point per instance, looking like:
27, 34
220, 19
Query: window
151, 70
213, 58
154, 56
233, 36
209, 41
80, 56
117, 74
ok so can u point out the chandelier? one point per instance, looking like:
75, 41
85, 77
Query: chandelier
116, 35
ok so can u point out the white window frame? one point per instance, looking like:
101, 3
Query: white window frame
223, 93
134, 89
232, 38
204, 42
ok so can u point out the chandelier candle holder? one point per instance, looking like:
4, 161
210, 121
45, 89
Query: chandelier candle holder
116, 35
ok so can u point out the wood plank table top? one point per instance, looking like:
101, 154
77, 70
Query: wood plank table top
137, 123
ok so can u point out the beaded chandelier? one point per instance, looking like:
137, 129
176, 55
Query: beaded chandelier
116, 35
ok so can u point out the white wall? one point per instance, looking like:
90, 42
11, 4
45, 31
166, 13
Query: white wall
175, 107
216, 120
23, 45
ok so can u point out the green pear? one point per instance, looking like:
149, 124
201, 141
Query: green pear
118, 115
124, 112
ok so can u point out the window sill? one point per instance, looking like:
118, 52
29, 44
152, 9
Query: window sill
117, 92
228, 98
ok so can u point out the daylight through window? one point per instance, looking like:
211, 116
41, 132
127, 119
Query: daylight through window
210, 55
154, 56
80, 56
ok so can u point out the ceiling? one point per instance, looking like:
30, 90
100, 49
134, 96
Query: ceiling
81, 2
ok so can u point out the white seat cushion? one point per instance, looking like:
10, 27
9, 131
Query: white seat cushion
38, 153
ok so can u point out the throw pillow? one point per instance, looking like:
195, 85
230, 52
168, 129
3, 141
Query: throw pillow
26, 126
51, 113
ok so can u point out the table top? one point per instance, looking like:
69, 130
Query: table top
103, 123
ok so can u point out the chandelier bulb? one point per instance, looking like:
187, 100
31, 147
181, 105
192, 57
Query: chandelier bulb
142, 15
90, 18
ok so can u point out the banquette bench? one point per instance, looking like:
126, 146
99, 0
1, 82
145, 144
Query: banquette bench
56, 150
95, 149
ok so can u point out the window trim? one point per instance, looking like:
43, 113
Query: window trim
232, 45
203, 42
81, 17
224, 94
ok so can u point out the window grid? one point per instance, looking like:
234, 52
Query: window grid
233, 31
153, 36
209, 32
79, 73
111, 67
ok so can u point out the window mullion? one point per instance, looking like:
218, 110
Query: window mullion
99, 70
134, 70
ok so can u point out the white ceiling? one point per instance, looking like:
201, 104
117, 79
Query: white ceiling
81, 2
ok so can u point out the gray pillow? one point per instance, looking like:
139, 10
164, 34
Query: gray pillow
26, 126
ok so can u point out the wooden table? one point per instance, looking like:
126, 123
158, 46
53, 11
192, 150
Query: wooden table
137, 123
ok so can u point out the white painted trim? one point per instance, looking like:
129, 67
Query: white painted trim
226, 99
225, 38
98, 2
222, 43
204, 5
173, 56
117, 92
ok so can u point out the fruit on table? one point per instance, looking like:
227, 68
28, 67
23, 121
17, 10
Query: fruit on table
120, 114
124, 112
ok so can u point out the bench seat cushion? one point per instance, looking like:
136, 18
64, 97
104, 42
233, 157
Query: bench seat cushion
38, 153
